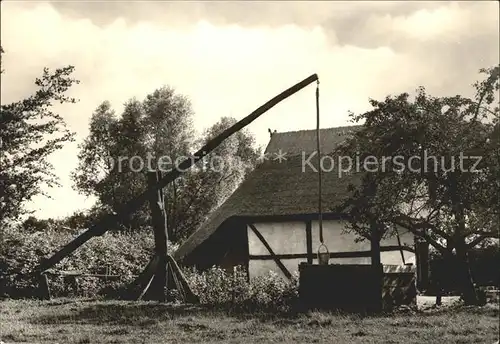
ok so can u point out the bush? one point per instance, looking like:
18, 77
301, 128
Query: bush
126, 254
216, 287
21, 251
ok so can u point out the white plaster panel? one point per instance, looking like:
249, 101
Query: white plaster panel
282, 237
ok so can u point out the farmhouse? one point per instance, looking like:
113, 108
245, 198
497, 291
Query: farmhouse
271, 221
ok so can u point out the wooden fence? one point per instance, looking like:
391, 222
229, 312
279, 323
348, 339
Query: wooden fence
399, 286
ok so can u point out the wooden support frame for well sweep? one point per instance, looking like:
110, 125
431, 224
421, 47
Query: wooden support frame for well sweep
162, 271
108, 221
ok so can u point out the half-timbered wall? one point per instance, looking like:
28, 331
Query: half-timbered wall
285, 238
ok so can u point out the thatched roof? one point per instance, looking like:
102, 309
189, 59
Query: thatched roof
296, 142
289, 187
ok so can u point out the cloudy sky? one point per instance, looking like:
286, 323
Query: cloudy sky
230, 57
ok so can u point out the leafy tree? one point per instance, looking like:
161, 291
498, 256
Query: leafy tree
159, 130
425, 186
158, 126
232, 160
168, 124
30, 131
169, 139
96, 152
126, 179
212, 180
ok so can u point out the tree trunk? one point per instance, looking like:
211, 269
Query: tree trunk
377, 267
466, 283
422, 263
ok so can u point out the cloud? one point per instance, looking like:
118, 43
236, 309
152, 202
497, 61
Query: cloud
230, 57
246, 13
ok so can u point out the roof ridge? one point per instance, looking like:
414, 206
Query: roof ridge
306, 130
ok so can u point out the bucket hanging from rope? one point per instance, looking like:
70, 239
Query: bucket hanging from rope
323, 253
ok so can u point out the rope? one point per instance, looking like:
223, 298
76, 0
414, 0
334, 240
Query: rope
320, 213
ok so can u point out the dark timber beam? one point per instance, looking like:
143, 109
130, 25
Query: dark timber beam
310, 255
352, 254
273, 255
399, 243
102, 226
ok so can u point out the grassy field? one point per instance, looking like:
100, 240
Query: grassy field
88, 321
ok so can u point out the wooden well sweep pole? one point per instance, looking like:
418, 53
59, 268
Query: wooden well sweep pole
103, 225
